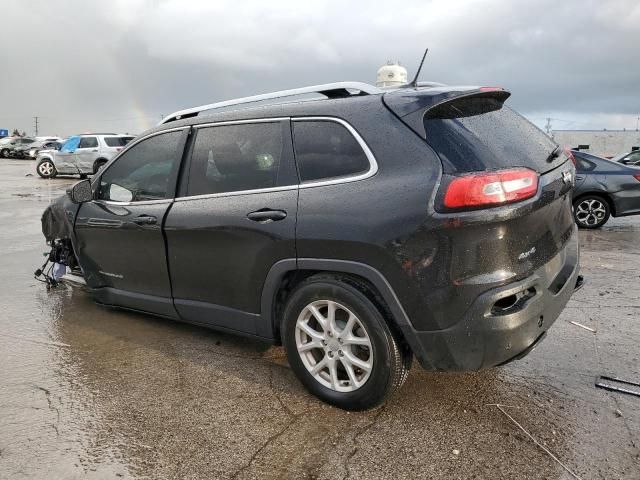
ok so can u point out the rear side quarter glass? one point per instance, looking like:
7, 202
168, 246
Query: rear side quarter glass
326, 150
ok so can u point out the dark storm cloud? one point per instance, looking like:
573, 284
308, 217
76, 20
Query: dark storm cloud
118, 65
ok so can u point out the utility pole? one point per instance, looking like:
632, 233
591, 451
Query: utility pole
35, 120
547, 127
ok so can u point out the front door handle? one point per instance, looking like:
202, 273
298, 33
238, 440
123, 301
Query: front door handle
145, 220
266, 215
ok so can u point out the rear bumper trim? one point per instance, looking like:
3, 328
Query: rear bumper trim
486, 338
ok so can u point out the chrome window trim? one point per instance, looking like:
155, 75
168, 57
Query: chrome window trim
142, 202
241, 122
284, 188
129, 145
373, 164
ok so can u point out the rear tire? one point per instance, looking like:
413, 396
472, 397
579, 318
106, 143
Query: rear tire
591, 211
4, 153
340, 346
46, 169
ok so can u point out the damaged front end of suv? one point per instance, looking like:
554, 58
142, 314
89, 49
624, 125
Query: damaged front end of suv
57, 228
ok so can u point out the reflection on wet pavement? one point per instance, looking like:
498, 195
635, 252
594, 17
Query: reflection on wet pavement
89, 392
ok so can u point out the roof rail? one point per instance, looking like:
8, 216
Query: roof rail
330, 90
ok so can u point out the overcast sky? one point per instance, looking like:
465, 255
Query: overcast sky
117, 65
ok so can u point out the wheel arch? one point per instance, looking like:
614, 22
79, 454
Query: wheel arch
285, 275
97, 162
598, 193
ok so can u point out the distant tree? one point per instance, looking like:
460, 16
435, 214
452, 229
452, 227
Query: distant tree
15, 133
23, 134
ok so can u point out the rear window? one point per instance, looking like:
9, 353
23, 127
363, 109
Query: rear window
88, 142
326, 150
117, 141
472, 135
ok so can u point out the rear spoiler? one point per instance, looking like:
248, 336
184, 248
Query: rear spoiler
412, 105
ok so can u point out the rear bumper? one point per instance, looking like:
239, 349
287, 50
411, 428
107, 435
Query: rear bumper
489, 335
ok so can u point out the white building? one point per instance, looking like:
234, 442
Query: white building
605, 143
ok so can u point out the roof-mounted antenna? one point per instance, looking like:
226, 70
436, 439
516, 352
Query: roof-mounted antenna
414, 83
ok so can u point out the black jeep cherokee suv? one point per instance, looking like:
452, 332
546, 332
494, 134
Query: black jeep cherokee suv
359, 230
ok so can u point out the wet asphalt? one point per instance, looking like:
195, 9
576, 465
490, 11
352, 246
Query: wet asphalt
89, 392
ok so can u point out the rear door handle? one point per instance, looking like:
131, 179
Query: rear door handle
145, 220
580, 177
265, 215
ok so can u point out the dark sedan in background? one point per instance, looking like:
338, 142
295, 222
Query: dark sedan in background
631, 158
603, 188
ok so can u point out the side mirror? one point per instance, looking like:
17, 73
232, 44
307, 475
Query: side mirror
81, 192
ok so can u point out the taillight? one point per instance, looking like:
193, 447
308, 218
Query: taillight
495, 188
636, 176
569, 154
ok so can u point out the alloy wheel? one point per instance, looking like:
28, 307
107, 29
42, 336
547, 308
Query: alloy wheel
46, 169
334, 346
590, 212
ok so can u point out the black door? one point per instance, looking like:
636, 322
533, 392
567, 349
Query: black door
120, 242
236, 218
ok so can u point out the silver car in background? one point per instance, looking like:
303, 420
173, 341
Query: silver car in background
81, 154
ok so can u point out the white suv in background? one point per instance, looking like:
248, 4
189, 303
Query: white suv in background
81, 154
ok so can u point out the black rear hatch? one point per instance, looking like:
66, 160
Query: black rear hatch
472, 131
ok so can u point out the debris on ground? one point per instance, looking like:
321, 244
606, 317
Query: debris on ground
499, 407
582, 326
609, 383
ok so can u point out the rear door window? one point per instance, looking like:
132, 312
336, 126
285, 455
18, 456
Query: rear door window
470, 138
327, 150
88, 142
232, 158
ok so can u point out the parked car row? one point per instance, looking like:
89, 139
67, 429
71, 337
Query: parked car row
80, 154
24, 147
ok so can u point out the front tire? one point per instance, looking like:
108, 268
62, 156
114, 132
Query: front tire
46, 169
4, 153
591, 211
340, 346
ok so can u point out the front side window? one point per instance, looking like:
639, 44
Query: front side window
147, 171
231, 158
88, 142
326, 150
70, 145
